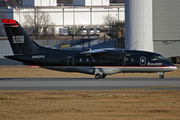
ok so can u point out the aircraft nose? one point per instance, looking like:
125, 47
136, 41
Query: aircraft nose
174, 68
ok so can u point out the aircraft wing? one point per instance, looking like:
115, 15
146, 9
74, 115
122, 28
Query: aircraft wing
89, 53
106, 54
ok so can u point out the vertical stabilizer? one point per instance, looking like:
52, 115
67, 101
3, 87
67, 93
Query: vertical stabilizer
20, 42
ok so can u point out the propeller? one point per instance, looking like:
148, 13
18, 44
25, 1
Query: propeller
125, 55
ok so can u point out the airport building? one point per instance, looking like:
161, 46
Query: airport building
86, 13
166, 27
153, 21
153, 24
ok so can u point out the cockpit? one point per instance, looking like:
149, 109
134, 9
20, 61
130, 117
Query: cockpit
155, 58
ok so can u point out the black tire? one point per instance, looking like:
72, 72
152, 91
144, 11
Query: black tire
161, 76
103, 76
97, 76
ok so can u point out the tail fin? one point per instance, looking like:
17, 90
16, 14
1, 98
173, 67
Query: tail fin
20, 42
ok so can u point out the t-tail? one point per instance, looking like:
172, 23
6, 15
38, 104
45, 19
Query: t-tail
20, 42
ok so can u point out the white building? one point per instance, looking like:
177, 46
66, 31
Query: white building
67, 16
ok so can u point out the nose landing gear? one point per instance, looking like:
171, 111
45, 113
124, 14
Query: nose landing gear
161, 75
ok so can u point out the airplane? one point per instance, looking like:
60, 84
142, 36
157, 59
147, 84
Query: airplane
98, 62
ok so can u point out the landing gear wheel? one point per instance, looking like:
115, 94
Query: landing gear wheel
161, 76
103, 76
97, 76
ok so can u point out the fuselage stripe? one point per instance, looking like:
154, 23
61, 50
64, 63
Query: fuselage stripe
109, 66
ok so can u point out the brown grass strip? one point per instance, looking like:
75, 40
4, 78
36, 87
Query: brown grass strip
25, 71
90, 105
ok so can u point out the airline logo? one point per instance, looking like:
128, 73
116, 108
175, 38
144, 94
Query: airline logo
18, 39
154, 64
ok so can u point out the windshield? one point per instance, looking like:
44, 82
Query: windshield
154, 58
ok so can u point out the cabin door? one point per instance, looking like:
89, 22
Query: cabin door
70, 63
143, 61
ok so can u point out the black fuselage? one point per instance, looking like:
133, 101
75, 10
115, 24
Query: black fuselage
69, 60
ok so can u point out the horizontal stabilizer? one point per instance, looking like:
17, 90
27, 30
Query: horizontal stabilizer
9, 22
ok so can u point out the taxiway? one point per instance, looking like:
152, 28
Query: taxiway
89, 83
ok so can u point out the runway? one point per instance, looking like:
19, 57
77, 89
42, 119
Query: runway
89, 84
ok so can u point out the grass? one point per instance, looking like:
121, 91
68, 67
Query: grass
88, 105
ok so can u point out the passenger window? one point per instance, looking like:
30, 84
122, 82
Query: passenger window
132, 60
87, 60
126, 59
80, 60
142, 61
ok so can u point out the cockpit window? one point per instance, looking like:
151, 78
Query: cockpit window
154, 58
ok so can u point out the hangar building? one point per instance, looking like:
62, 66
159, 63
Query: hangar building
166, 27
153, 23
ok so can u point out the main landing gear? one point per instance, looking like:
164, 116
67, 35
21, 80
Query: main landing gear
99, 73
98, 76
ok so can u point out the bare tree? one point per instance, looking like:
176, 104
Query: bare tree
116, 30
110, 20
40, 22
